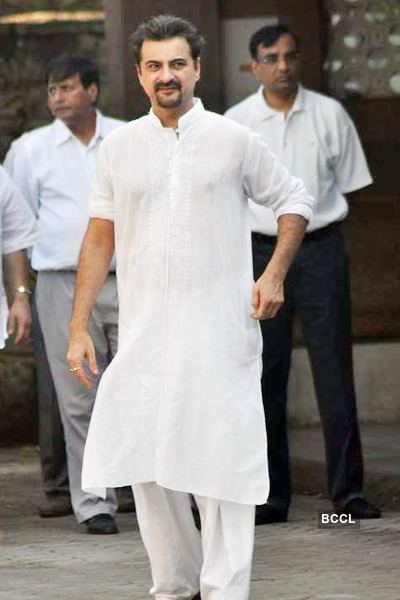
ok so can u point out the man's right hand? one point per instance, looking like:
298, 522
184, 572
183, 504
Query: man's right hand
81, 349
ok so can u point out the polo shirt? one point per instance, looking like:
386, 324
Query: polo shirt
53, 169
317, 142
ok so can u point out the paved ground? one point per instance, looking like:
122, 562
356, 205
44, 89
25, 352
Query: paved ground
55, 560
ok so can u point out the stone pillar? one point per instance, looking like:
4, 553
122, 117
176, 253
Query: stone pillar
123, 16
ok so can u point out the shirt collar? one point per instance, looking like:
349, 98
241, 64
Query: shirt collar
266, 112
62, 133
101, 131
185, 120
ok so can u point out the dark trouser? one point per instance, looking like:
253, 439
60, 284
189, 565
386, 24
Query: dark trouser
53, 459
317, 287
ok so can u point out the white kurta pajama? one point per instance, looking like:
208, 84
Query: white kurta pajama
219, 564
180, 404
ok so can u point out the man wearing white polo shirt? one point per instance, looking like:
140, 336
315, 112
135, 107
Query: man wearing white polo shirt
53, 167
316, 140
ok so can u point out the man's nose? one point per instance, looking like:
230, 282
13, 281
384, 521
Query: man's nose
166, 74
283, 63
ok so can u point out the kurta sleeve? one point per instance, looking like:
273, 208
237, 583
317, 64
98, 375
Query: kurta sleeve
348, 159
19, 226
102, 193
268, 182
18, 164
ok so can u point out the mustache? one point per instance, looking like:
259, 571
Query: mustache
169, 85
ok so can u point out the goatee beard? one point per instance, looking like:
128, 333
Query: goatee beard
169, 102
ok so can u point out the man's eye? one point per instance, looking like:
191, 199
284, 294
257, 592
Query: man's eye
178, 64
152, 66
271, 58
66, 89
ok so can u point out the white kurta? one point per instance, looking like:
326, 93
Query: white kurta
181, 403
18, 231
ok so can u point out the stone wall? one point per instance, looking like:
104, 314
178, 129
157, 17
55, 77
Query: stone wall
18, 401
364, 42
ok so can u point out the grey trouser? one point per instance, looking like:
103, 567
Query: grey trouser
53, 459
54, 298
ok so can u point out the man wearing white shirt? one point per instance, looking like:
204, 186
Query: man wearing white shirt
53, 167
179, 409
18, 231
316, 140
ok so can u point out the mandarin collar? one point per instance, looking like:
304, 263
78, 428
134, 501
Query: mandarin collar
185, 120
62, 132
266, 112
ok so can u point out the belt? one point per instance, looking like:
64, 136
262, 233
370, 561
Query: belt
312, 236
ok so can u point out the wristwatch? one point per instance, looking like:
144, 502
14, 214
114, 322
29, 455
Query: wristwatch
23, 289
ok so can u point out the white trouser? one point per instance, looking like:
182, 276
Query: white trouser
218, 563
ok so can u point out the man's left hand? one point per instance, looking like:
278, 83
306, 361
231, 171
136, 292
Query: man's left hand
19, 318
267, 296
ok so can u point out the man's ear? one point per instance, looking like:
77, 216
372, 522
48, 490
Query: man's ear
198, 69
93, 91
255, 69
138, 72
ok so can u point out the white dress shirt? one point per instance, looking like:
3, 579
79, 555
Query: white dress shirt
181, 403
53, 169
318, 143
18, 230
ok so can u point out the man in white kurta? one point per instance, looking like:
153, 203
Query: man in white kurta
179, 410
18, 231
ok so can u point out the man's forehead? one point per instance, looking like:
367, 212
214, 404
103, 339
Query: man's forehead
76, 78
284, 41
162, 50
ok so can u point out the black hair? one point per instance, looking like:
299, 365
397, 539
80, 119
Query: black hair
165, 27
268, 35
65, 65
